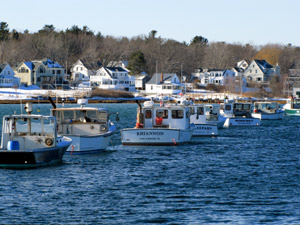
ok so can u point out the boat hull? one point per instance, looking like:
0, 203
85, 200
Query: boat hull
33, 158
84, 144
205, 130
292, 112
155, 136
268, 116
229, 122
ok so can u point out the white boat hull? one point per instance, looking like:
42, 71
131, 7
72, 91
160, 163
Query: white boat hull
229, 122
203, 130
89, 143
268, 116
155, 136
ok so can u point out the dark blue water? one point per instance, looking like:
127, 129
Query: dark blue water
245, 176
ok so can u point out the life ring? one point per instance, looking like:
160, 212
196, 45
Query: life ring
103, 127
49, 141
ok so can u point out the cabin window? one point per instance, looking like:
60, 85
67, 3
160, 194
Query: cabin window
102, 115
238, 106
162, 113
200, 111
227, 107
246, 107
177, 114
148, 114
192, 110
67, 115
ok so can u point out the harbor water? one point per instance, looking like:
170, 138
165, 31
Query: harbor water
247, 175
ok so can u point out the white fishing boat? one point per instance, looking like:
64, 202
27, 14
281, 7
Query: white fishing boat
267, 111
213, 116
238, 114
89, 128
159, 125
203, 126
292, 107
30, 141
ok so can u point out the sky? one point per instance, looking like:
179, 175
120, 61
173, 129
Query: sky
257, 22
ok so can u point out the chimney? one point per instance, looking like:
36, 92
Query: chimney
161, 78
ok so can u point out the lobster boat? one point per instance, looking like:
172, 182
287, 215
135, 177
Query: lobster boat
89, 128
30, 141
159, 125
267, 111
292, 107
203, 125
238, 114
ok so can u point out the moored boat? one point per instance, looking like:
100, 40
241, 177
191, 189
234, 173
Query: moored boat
89, 128
198, 117
30, 141
292, 107
159, 125
238, 114
267, 111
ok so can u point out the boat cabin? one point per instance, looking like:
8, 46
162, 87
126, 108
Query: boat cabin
81, 120
236, 109
25, 132
202, 113
168, 116
294, 103
265, 107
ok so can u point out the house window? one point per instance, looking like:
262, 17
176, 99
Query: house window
258, 79
53, 71
250, 71
255, 71
8, 72
151, 87
58, 71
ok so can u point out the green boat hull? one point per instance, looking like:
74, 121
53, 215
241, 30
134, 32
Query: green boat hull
292, 112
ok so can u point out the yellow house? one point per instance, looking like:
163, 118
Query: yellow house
44, 73
24, 71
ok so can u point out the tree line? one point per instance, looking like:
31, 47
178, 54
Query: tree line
150, 53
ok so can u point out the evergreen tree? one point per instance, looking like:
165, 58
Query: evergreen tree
137, 62
4, 31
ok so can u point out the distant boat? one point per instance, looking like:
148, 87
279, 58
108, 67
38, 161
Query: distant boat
238, 114
267, 111
292, 107
30, 141
204, 126
159, 125
89, 128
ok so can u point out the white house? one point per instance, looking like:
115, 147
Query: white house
116, 78
242, 64
141, 80
164, 84
260, 71
79, 72
217, 77
122, 64
7, 78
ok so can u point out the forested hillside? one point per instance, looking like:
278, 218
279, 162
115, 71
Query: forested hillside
149, 52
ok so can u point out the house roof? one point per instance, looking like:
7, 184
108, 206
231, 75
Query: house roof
263, 63
29, 65
116, 69
156, 78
